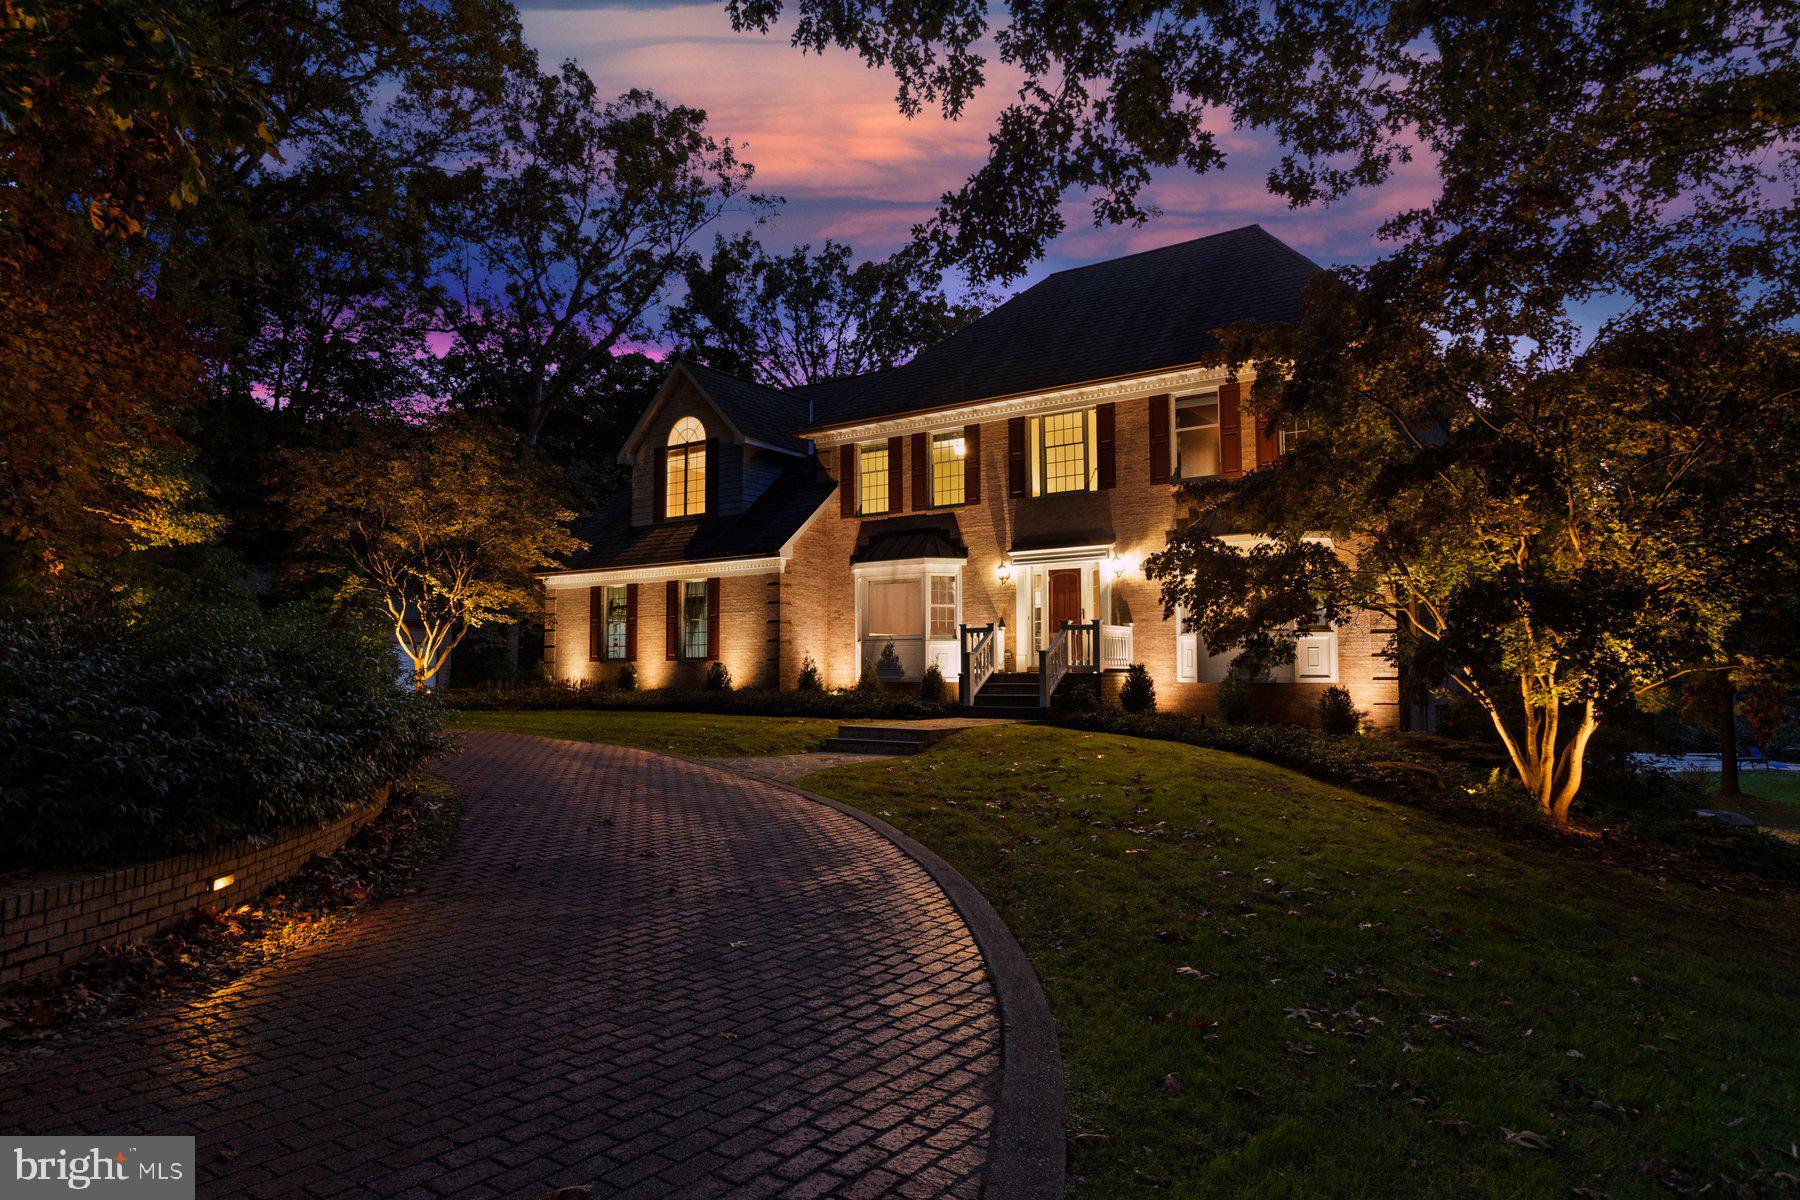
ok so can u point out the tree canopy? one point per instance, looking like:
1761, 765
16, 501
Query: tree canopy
802, 317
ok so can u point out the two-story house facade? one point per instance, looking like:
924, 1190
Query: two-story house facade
1002, 489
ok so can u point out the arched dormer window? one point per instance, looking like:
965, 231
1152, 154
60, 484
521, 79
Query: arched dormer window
686, 490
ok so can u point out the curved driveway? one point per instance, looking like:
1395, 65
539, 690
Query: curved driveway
632, 972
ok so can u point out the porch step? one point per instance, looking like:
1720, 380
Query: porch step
884, 739
1011, 694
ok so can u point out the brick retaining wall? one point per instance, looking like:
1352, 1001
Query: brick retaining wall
49, 920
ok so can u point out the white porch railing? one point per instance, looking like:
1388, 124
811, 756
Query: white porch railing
1081, 646
1115, 647
979, 649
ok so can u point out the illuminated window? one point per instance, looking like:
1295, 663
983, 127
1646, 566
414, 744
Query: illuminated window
872, 479
686, 495
1197, 436
1291, 433
1065, 460
614, 645
693, 619
949, 455
943, 606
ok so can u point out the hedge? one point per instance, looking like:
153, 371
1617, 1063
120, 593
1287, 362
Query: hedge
133, 733
754, 702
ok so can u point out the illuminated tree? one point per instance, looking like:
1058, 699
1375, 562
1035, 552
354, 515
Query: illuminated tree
438, 523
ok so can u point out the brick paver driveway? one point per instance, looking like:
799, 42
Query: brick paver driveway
631, 972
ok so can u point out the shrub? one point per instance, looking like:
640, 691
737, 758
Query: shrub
1234, 699
747, 701
1139, 691
133, 733
1337, 715
1076, 694
628, 678
933, 687
718, 678
870, 683
810, 680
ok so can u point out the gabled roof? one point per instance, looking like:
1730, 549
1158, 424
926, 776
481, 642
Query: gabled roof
758, 532
1127, 316
763, 415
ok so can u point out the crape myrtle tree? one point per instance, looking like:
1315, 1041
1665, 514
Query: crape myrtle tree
435, 522
1561, 512
584, 215
801, 317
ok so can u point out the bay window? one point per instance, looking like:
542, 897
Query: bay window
943, 607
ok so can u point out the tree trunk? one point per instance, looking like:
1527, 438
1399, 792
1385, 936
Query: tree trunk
1551, 777
1728, 747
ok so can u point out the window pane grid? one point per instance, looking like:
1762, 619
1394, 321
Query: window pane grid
1065, 452
693, 619
872, 479
948, 453
943, 606
615, 623
686, 496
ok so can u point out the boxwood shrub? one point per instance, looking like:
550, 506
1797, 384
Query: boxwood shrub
128, 734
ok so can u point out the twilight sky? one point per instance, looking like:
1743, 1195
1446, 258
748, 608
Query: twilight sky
825, 134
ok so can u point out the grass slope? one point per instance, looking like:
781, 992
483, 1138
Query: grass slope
700, 735
1382, 996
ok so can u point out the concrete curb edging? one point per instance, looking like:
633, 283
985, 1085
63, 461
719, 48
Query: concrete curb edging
1026, 1154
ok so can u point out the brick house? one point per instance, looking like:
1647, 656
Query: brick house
987, 506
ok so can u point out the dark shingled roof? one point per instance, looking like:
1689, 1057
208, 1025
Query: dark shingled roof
900, 538
759, 531
763, 414
1144, 312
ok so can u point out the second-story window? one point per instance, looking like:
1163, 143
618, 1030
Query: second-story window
949, 456
872, 480
1291, 433
1064, 441
1197, 436
686, 491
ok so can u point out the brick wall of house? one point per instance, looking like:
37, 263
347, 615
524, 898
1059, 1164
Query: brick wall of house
819, 589
48, 921
747, 606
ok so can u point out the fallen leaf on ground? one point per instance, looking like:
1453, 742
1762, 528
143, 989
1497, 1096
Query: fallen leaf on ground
1171, 1085
1525, 1138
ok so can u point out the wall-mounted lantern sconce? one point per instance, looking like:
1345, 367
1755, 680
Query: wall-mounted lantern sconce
1120, 565
1006, 572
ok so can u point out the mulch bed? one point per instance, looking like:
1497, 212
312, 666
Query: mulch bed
209, 949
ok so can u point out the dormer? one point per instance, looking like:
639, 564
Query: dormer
708, 445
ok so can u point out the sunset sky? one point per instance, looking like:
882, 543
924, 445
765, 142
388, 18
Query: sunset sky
825, 134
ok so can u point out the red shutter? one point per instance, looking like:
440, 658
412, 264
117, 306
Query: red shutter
1015, 456
672, 616
1103, 441
1268, 445
631, 622
921, 474
847, 481
659, 503
596, 622
712, 477
1231, 432
1159, 439
972, 464
896, 474
712, 618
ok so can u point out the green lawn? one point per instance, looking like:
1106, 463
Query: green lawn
699, 735
1380, 995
